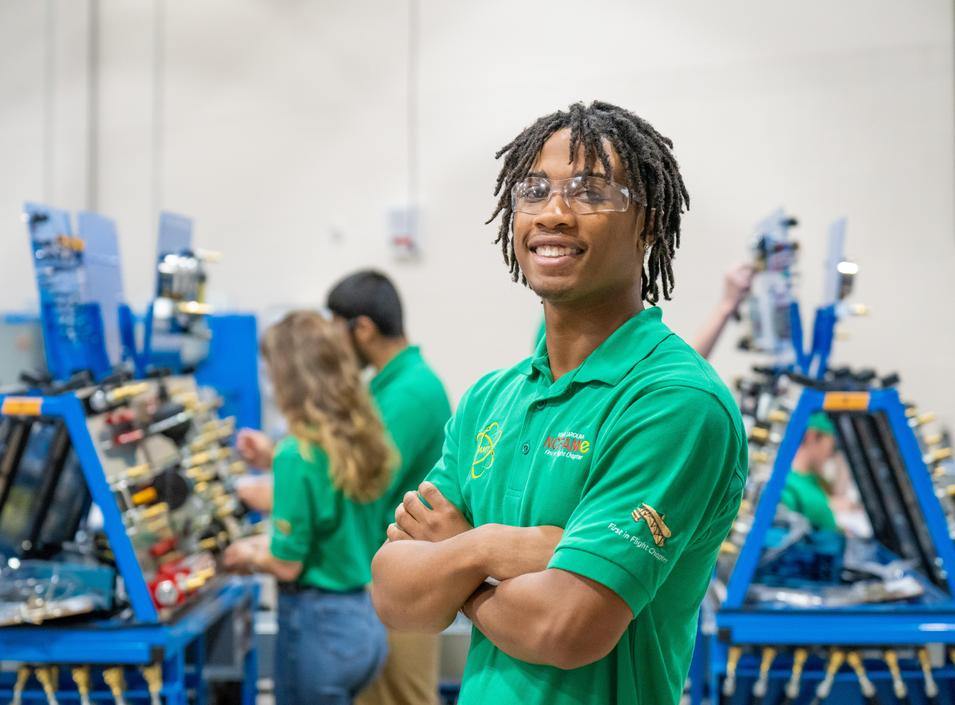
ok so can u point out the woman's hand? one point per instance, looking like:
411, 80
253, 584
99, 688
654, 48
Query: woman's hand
237, 557
414, 520
255, 448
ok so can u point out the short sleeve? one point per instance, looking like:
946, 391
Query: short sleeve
299, 504
664, 475
446, 473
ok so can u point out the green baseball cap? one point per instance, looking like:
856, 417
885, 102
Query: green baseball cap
820, 422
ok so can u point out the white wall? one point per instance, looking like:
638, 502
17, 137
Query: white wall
282, 128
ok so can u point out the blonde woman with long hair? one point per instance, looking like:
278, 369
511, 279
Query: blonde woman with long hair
325, 522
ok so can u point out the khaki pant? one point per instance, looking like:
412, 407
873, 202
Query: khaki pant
410, 676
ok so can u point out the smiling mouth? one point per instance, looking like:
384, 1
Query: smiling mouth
555, 251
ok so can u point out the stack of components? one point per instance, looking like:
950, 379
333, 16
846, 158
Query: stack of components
116, 502
168, 461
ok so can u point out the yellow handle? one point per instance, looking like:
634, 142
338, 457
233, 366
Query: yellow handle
23, 675
799, 661
835, 662
81, 676
892, 661
769, 655
153, 676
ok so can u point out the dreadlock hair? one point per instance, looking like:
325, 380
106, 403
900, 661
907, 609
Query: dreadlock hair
653, 177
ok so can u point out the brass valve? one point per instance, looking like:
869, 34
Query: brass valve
777, 416
898, 685
732, 661
931, 687
938, 455
761, 684
23, 676
152, 674
921, 419
836, 659
81, 676
49, 677
865, 685
799, 662
116, 681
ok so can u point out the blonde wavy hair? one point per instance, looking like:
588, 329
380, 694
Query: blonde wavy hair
319, 390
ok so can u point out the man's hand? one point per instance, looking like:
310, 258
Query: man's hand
255, 448
413, 520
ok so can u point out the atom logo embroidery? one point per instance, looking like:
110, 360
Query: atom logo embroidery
658, 528
487, 441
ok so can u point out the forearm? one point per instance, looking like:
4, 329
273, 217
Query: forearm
537, 618
420, 586
261, 560
513, 618
710, 333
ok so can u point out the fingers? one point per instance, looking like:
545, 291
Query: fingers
406, 522
396, 534
412, 504
432, 495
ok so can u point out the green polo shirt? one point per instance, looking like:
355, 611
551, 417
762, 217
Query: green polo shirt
312, 522
803, 493
640, 454
415, 409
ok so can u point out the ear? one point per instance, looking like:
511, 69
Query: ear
364, 329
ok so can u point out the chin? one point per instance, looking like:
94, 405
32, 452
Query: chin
552, 288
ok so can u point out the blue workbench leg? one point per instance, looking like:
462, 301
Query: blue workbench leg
199, 659
250, 678
174, 679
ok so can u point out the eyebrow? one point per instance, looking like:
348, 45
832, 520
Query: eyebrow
580, 172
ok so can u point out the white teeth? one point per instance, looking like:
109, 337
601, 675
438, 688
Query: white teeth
555, 251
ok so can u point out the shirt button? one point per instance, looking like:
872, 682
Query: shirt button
526, 448
540, 405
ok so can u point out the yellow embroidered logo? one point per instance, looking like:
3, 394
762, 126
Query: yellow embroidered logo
658, 528
484, 453
283, 527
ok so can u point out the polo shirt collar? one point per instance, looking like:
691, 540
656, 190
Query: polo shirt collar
395, 367
614, 357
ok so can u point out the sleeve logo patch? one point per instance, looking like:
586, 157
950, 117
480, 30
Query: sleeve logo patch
283, 527
658, 528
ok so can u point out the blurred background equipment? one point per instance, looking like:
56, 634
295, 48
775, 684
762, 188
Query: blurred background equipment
117, 496
839, 574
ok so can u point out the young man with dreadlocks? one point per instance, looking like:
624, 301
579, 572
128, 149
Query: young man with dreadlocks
601, 475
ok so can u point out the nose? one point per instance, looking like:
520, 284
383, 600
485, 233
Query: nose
556, 213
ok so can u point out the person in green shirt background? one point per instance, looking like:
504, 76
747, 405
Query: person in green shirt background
329, 475
805, 491
596, 480
414, 408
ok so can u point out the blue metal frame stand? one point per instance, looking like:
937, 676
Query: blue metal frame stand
137, 639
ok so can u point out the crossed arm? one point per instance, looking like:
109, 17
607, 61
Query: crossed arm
435, 564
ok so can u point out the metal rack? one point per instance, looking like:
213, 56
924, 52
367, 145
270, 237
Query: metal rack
138, 632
